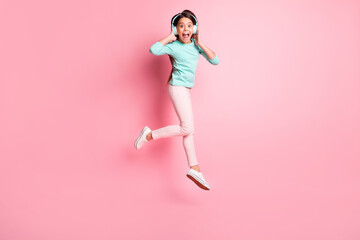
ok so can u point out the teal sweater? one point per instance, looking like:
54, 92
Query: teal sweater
186, 59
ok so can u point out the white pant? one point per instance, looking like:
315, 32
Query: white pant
181, 99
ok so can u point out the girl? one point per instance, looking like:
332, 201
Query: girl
183, 46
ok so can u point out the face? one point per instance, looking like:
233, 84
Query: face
185, 30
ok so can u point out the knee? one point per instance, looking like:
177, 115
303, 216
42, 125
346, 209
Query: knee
187, 129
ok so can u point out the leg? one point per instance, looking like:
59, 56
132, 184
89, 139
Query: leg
149, 136
181, 99
196, 167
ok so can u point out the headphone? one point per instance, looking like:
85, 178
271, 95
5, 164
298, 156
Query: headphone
174, 27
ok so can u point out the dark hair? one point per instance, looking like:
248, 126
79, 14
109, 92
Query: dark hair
188, 14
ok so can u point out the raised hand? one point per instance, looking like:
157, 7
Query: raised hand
196, 37
172, 36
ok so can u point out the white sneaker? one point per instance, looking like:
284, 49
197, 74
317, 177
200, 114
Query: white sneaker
142, 137
198, 178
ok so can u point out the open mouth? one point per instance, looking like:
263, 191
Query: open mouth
186, 35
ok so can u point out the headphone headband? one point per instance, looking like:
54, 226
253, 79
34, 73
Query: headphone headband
180, 14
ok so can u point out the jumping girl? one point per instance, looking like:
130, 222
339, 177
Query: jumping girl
183, 46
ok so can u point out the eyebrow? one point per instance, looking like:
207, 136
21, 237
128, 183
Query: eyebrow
184, 23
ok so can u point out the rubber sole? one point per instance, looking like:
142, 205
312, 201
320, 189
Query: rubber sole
197, 182
137, 140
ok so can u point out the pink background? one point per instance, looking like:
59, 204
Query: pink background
277, 129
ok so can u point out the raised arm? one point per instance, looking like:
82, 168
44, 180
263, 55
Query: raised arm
205, 51
208, 54
160, 48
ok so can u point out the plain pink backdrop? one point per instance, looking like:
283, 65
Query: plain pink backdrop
277, 130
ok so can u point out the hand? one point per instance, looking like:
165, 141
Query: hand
172, 36
196, 37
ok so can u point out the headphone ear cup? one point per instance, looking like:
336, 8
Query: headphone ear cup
174, 30
195, 29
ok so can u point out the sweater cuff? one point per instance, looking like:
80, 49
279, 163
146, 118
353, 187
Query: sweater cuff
215, 60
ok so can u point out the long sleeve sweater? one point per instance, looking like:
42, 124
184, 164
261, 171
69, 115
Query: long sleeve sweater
186, 58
